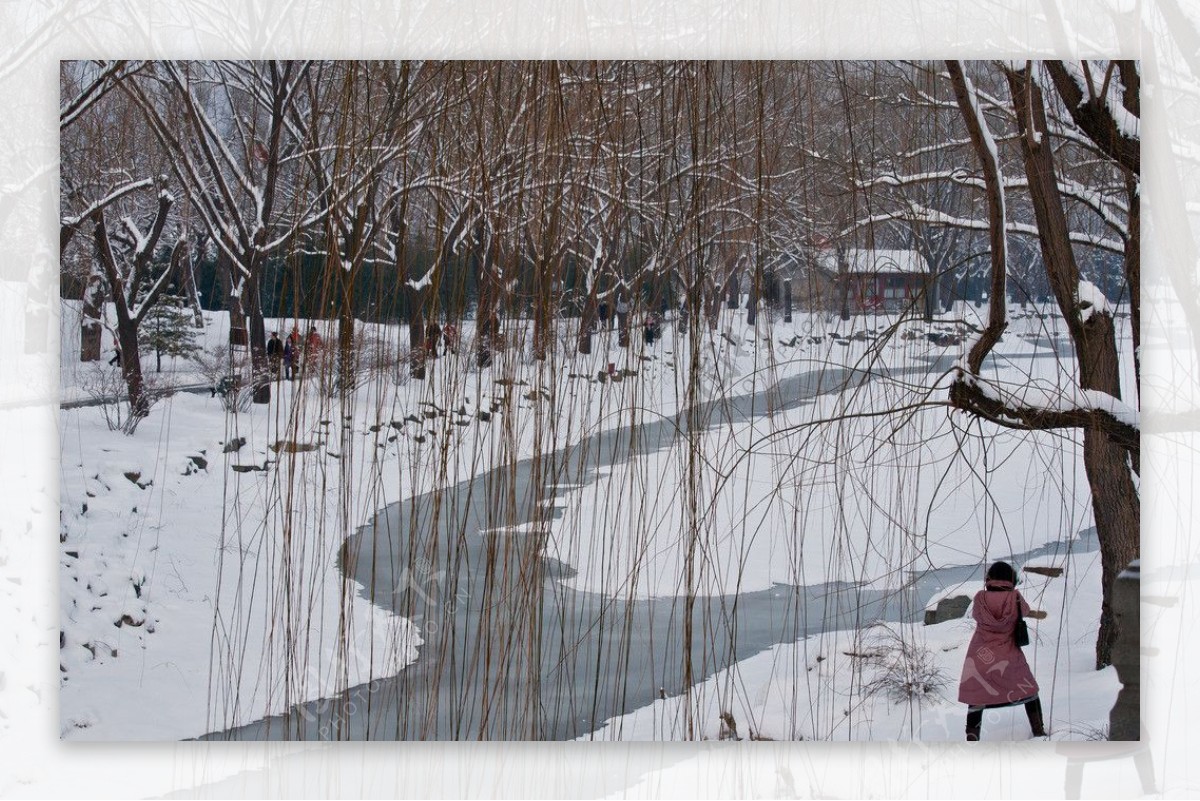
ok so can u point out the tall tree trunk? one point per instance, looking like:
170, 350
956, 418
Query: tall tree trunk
227, 279
1115, 501
489, 292
752, 295
587, 320
346, 332
485, 312
252, 301
416, 336
91, 328
928, 297
1133, 279
542, 314
131, 367
843, 285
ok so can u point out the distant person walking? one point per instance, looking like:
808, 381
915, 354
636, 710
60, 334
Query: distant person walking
296, 342
651, 329
622, 311
433, 338
274, 354
289, 360
312, 349
995, 673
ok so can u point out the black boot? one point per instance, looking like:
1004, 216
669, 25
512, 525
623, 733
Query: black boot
1033, 709
974, 724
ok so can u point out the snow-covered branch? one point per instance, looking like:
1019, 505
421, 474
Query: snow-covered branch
1100, 114
1029, 408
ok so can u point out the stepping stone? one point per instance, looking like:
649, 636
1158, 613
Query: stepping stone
951, 608
287, 446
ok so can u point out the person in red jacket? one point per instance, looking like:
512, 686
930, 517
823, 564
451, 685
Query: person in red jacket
995, 673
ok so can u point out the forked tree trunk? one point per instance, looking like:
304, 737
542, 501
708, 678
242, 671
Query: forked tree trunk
122, 286
1115, 500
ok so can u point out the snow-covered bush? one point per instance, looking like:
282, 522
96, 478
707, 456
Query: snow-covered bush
105, 385
904, 671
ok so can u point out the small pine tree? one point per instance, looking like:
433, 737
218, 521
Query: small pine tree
168, 329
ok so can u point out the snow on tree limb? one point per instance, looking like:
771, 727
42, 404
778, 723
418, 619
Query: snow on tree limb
1099, 114
989, 158
920, 213
1029, 408
1112, 210
70, 224
178, 254
93, 91
1091, 301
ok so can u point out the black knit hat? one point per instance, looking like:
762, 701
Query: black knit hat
1002, 571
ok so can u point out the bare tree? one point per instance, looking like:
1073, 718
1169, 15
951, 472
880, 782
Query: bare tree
106, 164
227, 127
134, 293
1110, 432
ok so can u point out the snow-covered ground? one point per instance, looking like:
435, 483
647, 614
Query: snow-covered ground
195, 596
900, 681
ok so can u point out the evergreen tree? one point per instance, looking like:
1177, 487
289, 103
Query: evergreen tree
168, 329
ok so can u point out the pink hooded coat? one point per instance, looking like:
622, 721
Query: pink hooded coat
995, 672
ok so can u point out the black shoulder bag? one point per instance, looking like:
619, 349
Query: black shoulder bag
1021, 630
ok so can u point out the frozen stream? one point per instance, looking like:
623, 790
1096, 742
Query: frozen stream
511, 652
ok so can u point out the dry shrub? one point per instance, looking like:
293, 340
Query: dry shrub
904, 671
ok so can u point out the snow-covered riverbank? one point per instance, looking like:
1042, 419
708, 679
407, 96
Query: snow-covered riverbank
899, 681
195, 596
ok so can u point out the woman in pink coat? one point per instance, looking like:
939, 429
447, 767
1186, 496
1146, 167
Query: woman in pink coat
995, 673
